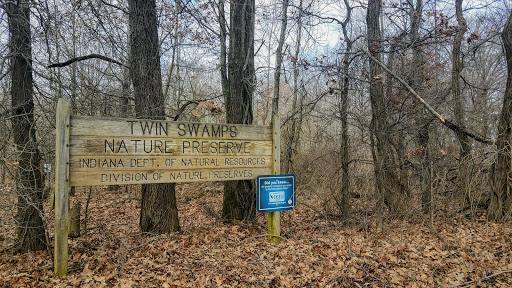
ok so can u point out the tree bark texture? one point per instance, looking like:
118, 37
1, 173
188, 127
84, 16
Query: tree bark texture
291, 138
423, 118
500, 207
397, 138
344, 93
239, 196
279, 58
464, 177
30, 228
223, 49
387, 181
74, 220
159, 213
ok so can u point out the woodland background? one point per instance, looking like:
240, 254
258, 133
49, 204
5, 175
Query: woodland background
389, 194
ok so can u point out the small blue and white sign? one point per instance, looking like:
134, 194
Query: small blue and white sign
275, 192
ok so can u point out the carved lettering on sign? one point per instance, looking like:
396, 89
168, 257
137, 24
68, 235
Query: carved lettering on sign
111, 152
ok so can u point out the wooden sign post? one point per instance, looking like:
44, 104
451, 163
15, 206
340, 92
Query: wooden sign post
274, 218
61, 187
92, 151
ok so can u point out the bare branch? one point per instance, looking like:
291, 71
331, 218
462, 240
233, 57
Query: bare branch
430, 109
82, 58
5, 74
182, 108
189, 102
115, 6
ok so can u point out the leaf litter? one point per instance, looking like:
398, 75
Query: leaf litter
314, 252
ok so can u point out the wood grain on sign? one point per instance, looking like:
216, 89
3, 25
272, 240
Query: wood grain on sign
89, 126
120, 177
274, 218
134, 151
61, 187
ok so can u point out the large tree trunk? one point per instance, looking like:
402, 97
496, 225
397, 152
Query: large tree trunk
423, 118
30, 229
240, 196
387, 182
464, 177
159, 212
500, 207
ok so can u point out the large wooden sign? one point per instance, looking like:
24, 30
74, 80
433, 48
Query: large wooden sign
92, 151
113, 152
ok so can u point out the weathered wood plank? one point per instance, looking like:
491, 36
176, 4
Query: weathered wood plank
121, 177
114, 163
93, 126
93, 146
61, 187
274, 218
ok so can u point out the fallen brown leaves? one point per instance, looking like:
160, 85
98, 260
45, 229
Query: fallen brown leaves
315, 252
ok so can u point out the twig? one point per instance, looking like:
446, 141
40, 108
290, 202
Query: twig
156, 238
39, 269
121, 201
211, 212
7, 249
314, 210
115, 6
483, 278
435, 233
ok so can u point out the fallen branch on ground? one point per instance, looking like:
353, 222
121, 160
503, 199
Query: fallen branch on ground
482, 279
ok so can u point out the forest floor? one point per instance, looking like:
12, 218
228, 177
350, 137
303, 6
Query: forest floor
314, 252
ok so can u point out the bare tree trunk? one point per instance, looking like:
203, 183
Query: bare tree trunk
379, 117
159, 212
298, 129
126, 109
399, 197
74, 82
464, 177
291, 139
500, 207
3, 148
387, 182
423, 119
175, 58
379, 122
279, 58
240, 196
30, 229
344, 89
223, 49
